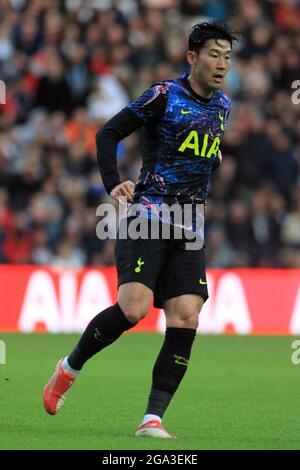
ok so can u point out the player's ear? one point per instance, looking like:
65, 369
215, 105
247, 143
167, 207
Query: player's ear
191, 57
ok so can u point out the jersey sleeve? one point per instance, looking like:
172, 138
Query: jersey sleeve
107, 139
227, 109
151, 105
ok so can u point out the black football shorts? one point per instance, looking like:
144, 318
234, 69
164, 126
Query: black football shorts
163, 265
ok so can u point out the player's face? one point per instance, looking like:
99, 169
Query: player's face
210, 66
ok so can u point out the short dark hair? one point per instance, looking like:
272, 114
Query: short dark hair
215, 29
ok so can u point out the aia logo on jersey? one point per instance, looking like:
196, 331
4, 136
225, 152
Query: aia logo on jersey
201, 149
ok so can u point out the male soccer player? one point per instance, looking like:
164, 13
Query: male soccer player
183, 121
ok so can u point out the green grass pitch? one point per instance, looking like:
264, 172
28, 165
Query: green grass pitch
238, 393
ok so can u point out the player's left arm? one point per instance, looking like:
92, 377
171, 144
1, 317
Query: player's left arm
219, 158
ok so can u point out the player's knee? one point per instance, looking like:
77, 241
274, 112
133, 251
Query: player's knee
187, 314
135, 308
190, 321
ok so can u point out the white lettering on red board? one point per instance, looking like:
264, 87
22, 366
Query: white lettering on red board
63, 312
94, 297
40, 304
230, 306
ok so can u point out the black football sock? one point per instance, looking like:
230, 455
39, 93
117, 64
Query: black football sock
169, 369
103, 330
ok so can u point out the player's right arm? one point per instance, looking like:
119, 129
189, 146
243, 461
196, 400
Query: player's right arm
107, 139
146, 110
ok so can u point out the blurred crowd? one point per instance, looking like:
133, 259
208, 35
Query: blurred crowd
70, 65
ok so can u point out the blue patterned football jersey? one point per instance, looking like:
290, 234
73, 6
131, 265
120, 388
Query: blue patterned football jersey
182, 133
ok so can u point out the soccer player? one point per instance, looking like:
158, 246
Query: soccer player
183, 121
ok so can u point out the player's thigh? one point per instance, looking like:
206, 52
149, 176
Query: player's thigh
139, 262
182, 286
183, 311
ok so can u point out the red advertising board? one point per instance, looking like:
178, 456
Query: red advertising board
242, 301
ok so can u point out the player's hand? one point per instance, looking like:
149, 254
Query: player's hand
123, 189
220, 156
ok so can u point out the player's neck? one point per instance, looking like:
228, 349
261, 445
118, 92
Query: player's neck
198, 88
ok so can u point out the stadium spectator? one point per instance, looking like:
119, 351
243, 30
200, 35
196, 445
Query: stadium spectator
70, 66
